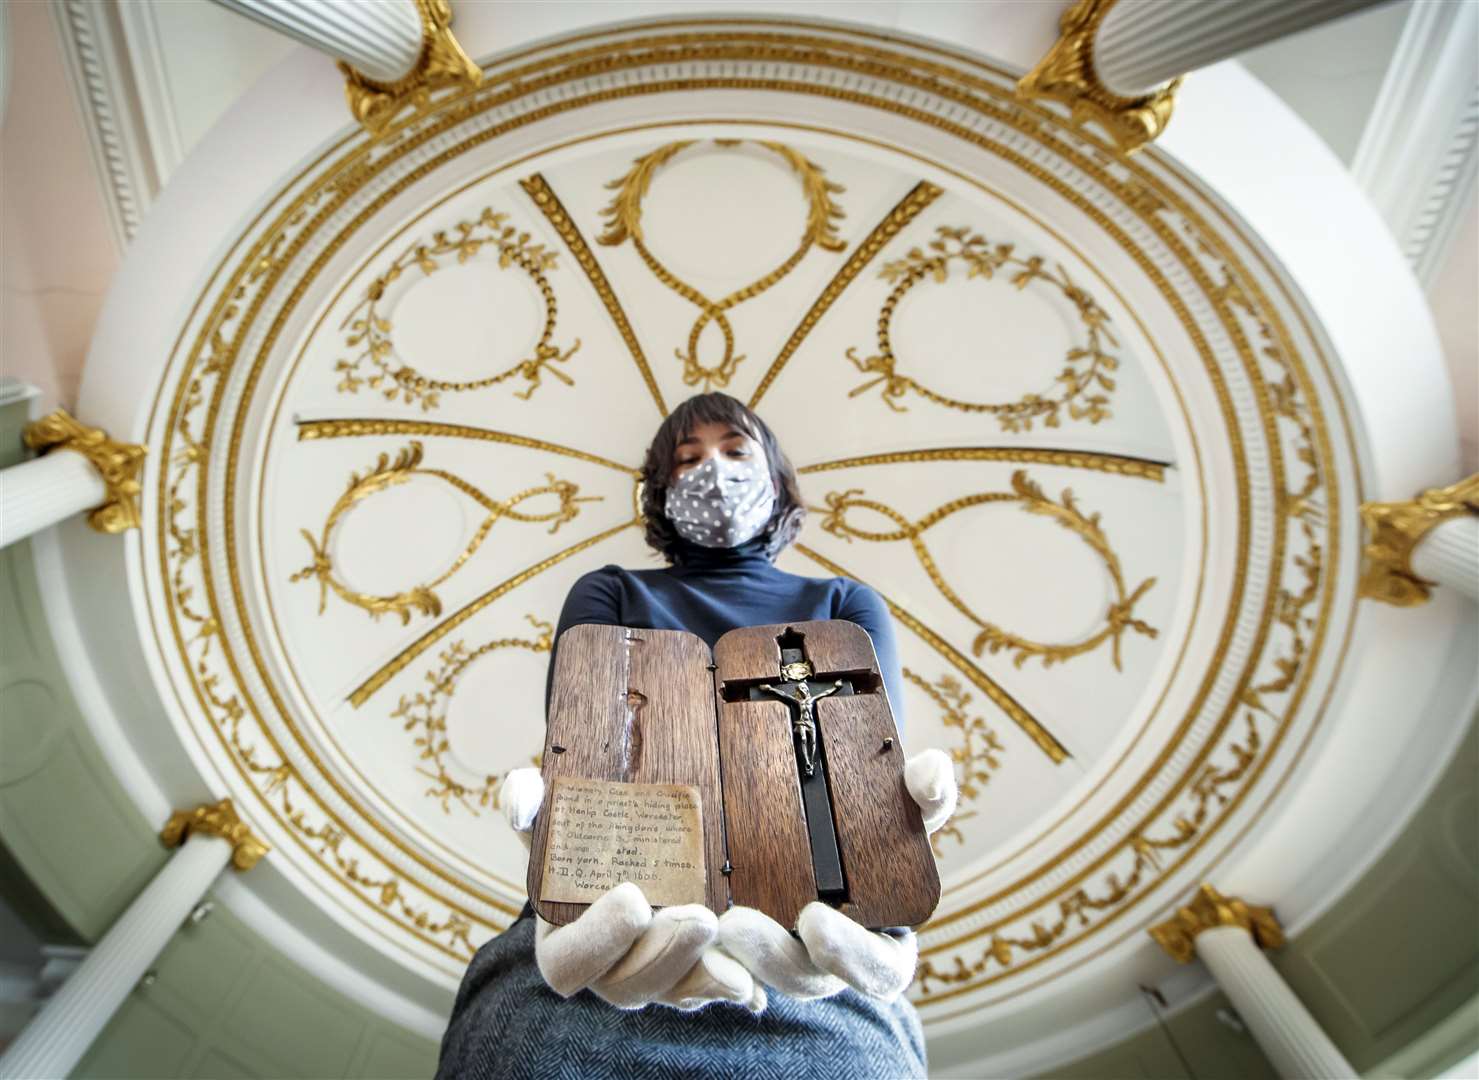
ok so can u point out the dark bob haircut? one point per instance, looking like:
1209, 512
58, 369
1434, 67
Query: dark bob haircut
785, 521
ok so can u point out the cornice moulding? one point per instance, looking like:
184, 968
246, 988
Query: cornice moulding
1417, 158
96, 57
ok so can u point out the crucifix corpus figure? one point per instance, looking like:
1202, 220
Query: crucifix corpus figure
804, 718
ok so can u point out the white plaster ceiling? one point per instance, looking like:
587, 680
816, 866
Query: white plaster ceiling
1181, 481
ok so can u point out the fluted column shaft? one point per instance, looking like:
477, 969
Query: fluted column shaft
1286, 1032
1449, 555
1143, 44
39, 493
55, 1041
382, 40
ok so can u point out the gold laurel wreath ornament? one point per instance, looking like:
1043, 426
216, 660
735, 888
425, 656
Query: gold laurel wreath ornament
624, 222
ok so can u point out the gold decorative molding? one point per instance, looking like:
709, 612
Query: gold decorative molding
117, 463
624, 222
1397, 528
907, 209
1083, 385
1067, 75
389, 472
1028, 494
425, 713
538, 189
1301, 622
442, 63
377, 369
217, 819
978, 756
1210, 909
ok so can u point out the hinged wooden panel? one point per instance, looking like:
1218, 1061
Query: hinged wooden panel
636, 706
762, 807
891, 875
643, 706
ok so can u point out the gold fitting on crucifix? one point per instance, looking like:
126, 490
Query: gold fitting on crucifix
797, 670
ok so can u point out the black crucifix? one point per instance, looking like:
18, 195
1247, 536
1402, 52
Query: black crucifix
800, 687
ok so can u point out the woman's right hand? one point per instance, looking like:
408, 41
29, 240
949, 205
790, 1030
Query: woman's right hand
623, 951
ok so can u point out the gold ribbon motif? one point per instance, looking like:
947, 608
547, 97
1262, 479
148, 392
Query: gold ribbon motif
624, 222
1086, 384
388, 473
1029, 495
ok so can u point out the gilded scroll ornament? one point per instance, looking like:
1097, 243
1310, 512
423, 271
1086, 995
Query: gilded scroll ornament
624, 222
1263, 702
538, 189
117, 463
216, 819
1210, 909
387, 473
1084, 383
922, 195
376, 366
1397, 528
731, 60
442, 64
977, 756
1029, 496
425, 713
1067, 75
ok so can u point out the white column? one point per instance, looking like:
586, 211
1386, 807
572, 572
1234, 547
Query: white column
1282, 1026
42, 492
1143, 44
381, 40
1419, 153
1449, 555
55, 1041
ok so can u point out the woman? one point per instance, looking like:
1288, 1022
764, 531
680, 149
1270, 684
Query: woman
625, 991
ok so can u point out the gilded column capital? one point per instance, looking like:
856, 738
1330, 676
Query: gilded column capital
117, 463
218, 819
1394, 531
1210, 909
1066, 74
441, 63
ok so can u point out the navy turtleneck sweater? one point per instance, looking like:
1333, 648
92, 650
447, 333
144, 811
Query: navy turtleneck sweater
714, 590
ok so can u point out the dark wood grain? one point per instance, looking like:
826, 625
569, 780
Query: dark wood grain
891, 875
643, 706
766, 826
636, 706
890, 869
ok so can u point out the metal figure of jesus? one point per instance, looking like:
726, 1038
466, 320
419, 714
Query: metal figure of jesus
804, 719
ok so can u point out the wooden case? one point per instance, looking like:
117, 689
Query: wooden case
649, 706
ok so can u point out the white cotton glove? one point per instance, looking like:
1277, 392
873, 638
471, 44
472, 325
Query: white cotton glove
930, 778
630, 956
833, 952
620, 949
520, 797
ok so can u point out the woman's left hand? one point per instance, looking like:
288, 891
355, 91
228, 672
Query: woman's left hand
835, 952
930, 778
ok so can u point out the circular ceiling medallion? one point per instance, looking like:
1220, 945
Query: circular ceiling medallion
1058, 408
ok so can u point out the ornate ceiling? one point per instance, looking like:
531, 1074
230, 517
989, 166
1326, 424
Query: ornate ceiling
1061, 410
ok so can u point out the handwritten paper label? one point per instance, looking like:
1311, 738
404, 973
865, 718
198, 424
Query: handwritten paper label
604, 832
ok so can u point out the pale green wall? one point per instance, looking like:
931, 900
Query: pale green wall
74, 852
225, 1003
1396, 958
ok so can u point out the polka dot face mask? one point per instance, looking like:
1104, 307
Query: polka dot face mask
721, 503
